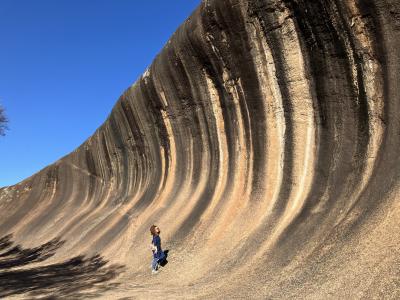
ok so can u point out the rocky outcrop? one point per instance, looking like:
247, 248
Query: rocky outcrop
263, 140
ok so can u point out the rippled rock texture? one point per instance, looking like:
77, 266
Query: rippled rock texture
263, 140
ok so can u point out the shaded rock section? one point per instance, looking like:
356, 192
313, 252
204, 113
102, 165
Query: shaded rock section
79, 277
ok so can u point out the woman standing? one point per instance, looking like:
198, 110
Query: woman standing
158, 254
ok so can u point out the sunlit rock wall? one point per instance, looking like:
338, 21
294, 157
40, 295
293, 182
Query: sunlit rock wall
263, 140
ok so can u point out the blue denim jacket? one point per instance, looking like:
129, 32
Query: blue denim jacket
159, 254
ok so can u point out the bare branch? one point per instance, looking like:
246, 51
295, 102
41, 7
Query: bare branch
3, 122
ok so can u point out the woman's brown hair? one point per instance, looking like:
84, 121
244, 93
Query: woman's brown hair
153, 229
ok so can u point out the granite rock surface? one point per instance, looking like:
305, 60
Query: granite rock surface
264, 142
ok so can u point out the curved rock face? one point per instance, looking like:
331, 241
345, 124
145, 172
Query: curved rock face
263, 140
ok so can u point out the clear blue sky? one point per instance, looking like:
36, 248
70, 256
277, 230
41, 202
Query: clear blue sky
63, 65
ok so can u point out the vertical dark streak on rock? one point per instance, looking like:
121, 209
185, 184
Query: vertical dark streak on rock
313, 37
136, 138
369, 11
261, 10
107, 157
92, 170
180, 110
148, 148
360, 95
120, 156
242, 67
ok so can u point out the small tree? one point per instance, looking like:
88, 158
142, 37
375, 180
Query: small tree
3, 122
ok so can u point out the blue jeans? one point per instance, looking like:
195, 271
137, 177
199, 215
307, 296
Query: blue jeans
154, 264
157, 257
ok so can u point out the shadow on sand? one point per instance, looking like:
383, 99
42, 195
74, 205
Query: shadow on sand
77, 278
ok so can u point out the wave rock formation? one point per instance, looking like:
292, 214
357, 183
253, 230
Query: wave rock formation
263, 140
